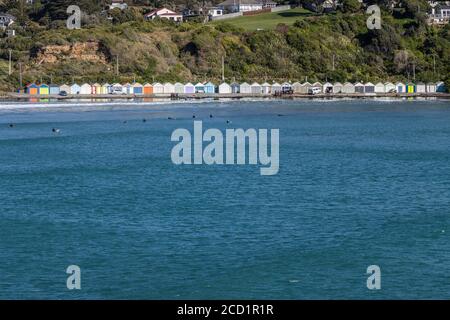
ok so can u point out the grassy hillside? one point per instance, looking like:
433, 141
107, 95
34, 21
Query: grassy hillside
303, 45
269, 20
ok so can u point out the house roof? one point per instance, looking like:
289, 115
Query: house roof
239, 2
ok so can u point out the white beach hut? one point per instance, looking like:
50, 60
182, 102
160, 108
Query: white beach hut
158, 88
348, 88
245, 88
379, 88
305, 87
86, 88
179, 87
256, 88
266, 87
421, 87
65, 88
75, 89
389, 87
224, 88
296, 86
328, 87
337, 87
431, 87
318, 85
276, 87
106, 88
169, 88
359, 87
127, 88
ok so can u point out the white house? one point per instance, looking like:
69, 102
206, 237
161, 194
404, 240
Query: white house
241, 5
118, 4
164, 13
6, 20
224, 88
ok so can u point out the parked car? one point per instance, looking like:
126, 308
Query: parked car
314, 90
63, 93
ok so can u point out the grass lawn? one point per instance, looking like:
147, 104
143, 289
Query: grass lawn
268, 20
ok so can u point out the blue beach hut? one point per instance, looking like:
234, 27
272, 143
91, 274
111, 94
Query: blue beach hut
210, 88
54, 89
235, 87
199, 88
440, 87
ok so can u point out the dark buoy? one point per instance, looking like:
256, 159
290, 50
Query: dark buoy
144, 120
55, 130
210, 115
280, 115
125, 121
228, 121
193, 117
11, 125
170, 118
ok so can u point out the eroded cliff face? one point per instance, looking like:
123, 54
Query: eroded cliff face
91, 51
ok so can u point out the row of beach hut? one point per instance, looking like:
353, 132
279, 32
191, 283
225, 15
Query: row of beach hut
243, 88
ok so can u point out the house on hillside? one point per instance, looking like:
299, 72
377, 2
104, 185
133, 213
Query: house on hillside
118, 4
440, 12
6, 20
164, 13
241, 5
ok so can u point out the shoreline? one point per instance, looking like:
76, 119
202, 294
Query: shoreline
21, 96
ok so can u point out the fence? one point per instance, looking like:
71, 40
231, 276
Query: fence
227, 16
280, 8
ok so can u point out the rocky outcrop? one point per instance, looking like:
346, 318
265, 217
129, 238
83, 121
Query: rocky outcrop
81, 51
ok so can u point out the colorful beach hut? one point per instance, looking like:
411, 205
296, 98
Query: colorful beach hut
235, 87
158, 88
224, 88
401, 88
138, 88
148, 88
189, 88
75, 89
199, 88
210, 88
245, 88
440, 87
410, 88
106, 88
348, 88
44, 89
169, 88
32, 89
256, 88
337, 87
178, 87
53, 89
328, 87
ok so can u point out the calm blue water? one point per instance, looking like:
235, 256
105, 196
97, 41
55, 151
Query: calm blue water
361, 182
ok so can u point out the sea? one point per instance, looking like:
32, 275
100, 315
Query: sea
361, 183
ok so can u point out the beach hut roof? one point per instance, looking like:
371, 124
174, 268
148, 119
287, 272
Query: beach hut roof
224, 84
306, 83
337, 84
147, 85
244, 84
380, 83
276, 84
287, 84
54, 85
43, 85
178, 84
386, 83
400, 83
296, 83
369, 84
420, 83
317, 83
329, 84
234, 84
168, 84
209, 84
157, 84
32, 84
199, 84
254, 84
265, 84
106, 84
137, 84
358, 84
431, 83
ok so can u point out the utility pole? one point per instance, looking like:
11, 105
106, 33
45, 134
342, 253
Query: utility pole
10, 65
